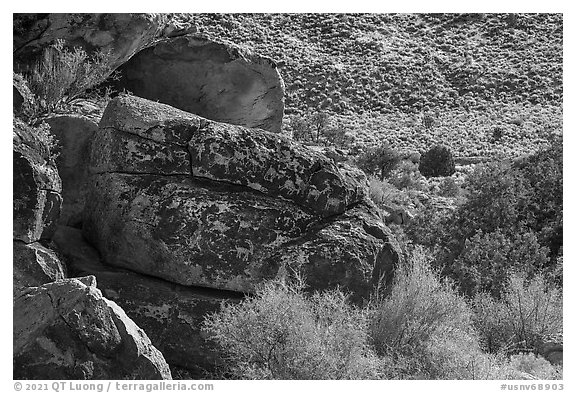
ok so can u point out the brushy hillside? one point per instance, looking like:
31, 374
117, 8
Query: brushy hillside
382, 76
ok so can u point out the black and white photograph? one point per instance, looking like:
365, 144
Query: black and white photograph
213, 196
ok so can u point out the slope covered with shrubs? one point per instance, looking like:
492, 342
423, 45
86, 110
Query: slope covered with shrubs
414, 80
423, 329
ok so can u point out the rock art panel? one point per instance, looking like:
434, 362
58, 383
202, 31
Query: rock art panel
175, 228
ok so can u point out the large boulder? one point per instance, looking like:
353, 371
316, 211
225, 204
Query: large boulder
179, 229
37, 189
73, 133
67, 330
121, 35
248, 195
354, 252
35, 265
216, 80
275, 166
170, 314
141, 136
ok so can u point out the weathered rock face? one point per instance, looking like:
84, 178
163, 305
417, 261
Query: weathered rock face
170, 314
73, 133
188, 233
120, 34
67, 330
37, 187
35, 265
353, 252
248, 196
275, 166
216, 80
22, 96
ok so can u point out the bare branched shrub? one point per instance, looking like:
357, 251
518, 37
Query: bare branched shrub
419, 307
529, 311
425, 325
280, 333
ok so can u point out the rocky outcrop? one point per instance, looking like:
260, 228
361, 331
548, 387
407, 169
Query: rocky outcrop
275, 166
67, 330
188, 232
73, 133
37, 186
354, 252
21, 97
121, 35
35, 265
215, 80
247, 197
170, 314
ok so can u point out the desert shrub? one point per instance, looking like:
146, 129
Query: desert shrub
280, 333
497, 134
424, 324
43, 140
437, 161
486, 260
300, 129
379, 160
62, 75
337, 136
386, 195
529, 311
405, 175
535, 366
449, 188
431, 226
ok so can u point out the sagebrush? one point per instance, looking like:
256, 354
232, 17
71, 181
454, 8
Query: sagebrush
62, 75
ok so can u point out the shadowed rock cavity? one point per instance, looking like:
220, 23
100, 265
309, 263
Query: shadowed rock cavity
212, 79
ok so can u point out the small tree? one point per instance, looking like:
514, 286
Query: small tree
437, 161
319, 121
487, 259
337, 136
380, 160
310, 127
300, 129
